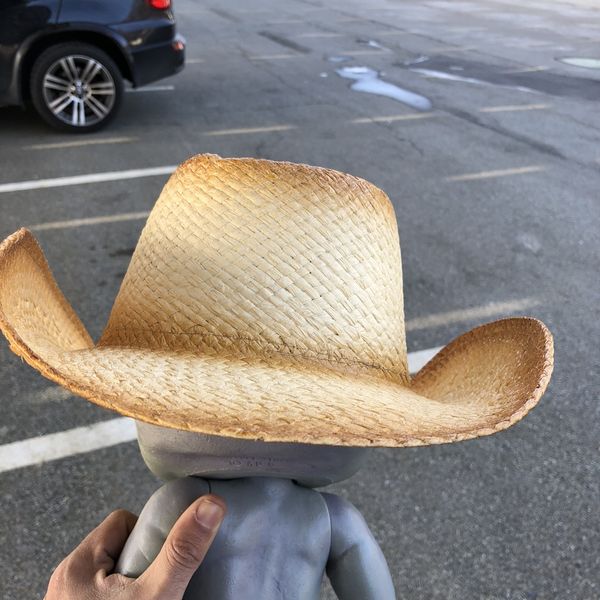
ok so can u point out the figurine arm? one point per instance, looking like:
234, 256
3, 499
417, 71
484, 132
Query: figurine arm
155, 521
356, 566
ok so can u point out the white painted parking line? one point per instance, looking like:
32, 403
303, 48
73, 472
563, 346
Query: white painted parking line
373, 52
448, 49
514, 108
54, 446
151, 88
81, 440
274, 56
52, 394
467, 29
247, 130
487, 311
37, 184
527, 70
252, 11
286, 22
392, 118
496, 173
536, 44
77, 143
138, 216
322, 34
417, 360
193, 61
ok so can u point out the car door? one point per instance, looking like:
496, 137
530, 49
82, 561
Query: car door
20, 19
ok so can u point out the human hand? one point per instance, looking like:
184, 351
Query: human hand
85, 573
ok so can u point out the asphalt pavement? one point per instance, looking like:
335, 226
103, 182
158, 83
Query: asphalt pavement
496, 191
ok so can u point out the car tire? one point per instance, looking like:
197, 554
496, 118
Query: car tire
76, 87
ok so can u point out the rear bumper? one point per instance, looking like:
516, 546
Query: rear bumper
153, 47
153, 62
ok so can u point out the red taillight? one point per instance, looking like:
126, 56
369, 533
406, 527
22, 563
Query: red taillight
159, 4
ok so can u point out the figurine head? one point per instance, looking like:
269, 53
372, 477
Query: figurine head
171, 453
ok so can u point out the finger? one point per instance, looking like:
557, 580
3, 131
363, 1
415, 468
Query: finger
102, 546
184, 549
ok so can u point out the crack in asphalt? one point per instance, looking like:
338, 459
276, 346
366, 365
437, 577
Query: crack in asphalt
285, 42
518, 137
225, 15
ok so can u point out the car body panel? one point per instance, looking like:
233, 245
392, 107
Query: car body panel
21, 20
143, 37
106, 12
151, 49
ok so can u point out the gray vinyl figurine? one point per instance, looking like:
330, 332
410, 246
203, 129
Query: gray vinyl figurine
258, 341
280, 535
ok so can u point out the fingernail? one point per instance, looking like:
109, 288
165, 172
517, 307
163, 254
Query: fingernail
209, 513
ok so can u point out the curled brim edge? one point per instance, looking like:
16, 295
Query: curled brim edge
482, 382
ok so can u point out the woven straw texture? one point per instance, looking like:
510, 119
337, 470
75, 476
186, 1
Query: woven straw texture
264, 301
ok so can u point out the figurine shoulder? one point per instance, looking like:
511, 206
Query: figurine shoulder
356, 566
348, 526
185, 487
343, 512
155, 521
172, 499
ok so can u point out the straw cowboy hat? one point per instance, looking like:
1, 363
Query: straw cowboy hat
264, 301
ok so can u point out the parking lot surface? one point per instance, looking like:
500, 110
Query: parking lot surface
496, 190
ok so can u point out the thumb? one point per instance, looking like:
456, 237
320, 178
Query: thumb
184, 550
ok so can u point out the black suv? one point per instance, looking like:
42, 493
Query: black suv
69, 57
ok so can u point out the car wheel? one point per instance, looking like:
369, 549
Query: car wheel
76, 87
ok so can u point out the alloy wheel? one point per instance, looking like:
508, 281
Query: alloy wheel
79, 90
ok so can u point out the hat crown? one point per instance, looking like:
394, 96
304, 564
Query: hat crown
262, 260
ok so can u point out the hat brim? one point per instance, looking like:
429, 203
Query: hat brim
481, 383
